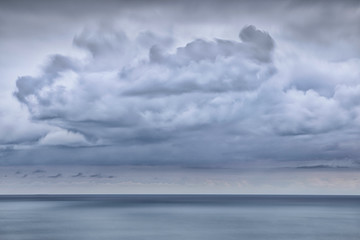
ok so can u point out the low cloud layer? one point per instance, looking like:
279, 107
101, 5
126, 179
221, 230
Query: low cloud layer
317, 179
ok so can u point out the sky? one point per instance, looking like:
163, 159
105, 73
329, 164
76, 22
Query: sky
201, 96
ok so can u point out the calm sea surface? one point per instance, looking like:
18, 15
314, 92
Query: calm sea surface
172, 217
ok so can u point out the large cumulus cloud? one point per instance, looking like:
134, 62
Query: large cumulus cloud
214, 100
128, 87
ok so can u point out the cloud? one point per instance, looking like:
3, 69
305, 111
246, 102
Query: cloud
321, 167
55, 176
148, 95
321, 31
15, 128
185, 85
64, 138
78, 175
100, 176
96, 176
194, 103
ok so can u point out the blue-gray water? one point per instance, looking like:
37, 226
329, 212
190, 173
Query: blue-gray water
172, 217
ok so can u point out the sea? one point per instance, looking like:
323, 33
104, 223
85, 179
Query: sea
179, 217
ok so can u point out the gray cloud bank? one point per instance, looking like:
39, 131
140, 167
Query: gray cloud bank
155, 99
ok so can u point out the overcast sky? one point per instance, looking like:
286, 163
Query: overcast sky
180, 96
